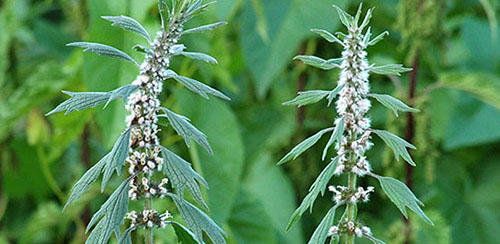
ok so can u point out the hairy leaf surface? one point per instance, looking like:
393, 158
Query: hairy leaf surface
390, 69
104, 50
303, 146
196, 86
319, 62
321, 232
392, 103
128, 23
115, 159
397, 144
204, 28
336, 137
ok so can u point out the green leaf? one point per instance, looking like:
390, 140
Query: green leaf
402, 197
303, 146
164, 12
319, 62
377, 38
334, 93
321, 232
374, 240
307, 97
128, 23
198, 222
392, 103
345, 18
366, 20
87, 179
336, 136
181, 174
397, 144
200, 56
113, 210
327, 36
196, 86
184, 235
125, 237
316, 188
185, 129
123, 92
390, 69
204, 28
104, 50
115, 159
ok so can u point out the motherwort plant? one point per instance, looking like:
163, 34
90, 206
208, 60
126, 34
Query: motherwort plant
138, 146
351, 135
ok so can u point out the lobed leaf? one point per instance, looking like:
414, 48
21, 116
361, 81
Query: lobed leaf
402, 197
104, 50
392, 103
115, 159
184, 235
303, 146
128, 23
196, 86
390, 69
185, 129
327, 36
84, 183
198, 222
113, 210
204, 28
307, 97
319, 62
200, 56
316, 188
335, 137
397, 144
321, 232
182, 176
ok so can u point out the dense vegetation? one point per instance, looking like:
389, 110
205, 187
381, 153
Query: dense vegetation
452, 46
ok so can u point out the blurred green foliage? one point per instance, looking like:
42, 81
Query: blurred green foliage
457, 130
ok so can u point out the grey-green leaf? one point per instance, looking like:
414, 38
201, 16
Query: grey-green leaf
402, 197
184, 235
125, 237
319, 62
122, 92
321, 232
204, 28
377, 38
185, 129
336, 137
200, 56
196, 86
182, 176
392, 103
84, 183
334, 93
80, 101
316, 188
303, 146
390, 69
128, 23
307, 97
327, 36
115, 159
345, 18
113, 210
198, 222
397, 144
104, 50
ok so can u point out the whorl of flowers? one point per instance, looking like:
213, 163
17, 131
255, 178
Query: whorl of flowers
351, 134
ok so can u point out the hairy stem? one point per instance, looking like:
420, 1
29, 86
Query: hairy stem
351, 207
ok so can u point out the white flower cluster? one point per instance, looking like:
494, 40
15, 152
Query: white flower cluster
148, 218
343, 194
147, 188
349, 227
352, 106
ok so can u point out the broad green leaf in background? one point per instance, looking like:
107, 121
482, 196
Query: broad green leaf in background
437, 234
222, 170
483, 51
288, 22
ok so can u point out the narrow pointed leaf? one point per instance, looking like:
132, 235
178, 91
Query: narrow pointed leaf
102, 49
125, 237
335, 137
374, 240
204, 28
345, 18
327, 36
198, 222
402, 197
390, 69
196, 86
184, 235
334, 93
358, 14
316, 188
123, 92
303, 146
84, 183
200, 56
307, 97
80, 101
366, 20
321, 232
128, 23
397, 144
182, 176
377, 38
185, 129
393, 104
115, 159
319, 62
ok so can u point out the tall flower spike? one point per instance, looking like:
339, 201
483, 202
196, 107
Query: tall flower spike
351, 134
139, 146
